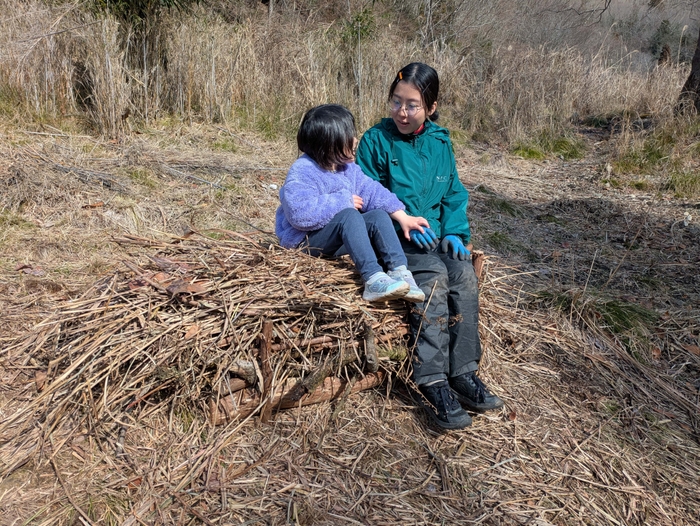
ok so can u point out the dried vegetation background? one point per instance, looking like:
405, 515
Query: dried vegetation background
600, 423
589, 302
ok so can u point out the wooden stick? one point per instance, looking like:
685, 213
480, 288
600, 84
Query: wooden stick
266, 370
244, 402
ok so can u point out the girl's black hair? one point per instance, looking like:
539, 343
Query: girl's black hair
327, 134
425, 79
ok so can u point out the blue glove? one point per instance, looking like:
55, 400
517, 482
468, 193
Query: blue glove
454, 244
427, 240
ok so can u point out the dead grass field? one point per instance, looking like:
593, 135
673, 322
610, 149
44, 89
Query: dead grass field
590, 322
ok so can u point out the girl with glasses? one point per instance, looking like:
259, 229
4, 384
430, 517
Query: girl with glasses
327, 203
412, 156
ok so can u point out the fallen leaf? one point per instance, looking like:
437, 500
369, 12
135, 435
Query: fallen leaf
192, 331
200, 286
30, 269
137, 283
40, 380
182, 287
213, 482
168, 264
134, 483
694, 349
161, 277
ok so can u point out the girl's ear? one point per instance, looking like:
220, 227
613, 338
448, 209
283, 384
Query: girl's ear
432, 109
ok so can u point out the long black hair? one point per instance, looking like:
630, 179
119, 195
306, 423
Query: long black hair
425, 79
327, 134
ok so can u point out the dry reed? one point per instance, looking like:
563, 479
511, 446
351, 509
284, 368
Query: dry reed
598, 427
261, 74
174, 328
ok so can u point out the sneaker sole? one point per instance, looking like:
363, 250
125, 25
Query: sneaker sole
477, 408
399, 292
415, 298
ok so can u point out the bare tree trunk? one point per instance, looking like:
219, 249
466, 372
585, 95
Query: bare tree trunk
690, 94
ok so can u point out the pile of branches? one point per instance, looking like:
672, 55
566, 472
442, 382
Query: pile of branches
232, 327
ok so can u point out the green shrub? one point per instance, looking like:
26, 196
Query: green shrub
545, 144
654, 150
685, 184
500, 241
529, 152
504, 206
225, 145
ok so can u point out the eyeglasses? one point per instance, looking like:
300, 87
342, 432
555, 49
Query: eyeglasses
411, 109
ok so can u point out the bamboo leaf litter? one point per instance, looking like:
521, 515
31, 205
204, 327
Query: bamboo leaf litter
128, 344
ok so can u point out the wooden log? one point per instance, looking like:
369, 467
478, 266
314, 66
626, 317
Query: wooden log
245, 370
371, 358
232, 385
317, 377
248, 377
244, 402
478, 260
324, 342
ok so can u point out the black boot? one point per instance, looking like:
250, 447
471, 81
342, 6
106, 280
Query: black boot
472, 392
441, 404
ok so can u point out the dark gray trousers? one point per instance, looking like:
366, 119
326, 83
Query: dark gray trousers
445, 327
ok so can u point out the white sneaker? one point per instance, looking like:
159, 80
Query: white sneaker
381, 287
415, 294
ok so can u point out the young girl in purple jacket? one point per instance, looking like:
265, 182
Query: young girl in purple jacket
327, 203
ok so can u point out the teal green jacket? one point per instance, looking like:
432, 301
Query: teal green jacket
421, 171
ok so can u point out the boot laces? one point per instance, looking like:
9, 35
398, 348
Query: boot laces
481, 390
444, 394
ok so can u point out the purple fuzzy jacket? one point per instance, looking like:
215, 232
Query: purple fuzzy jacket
312, 196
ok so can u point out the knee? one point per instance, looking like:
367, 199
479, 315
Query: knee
466, 279
435, 284
349, 216
377, 217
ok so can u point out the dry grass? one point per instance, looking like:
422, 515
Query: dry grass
600, 424
589, 307
261, 74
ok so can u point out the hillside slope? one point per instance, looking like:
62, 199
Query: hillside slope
589, 320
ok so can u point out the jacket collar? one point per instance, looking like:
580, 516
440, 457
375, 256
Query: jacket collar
430, 130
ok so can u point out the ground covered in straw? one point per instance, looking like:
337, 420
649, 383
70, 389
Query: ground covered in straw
135, 276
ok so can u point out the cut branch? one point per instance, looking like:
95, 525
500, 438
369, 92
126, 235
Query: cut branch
243, 403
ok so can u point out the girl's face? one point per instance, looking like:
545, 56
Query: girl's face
349, 155
407, 108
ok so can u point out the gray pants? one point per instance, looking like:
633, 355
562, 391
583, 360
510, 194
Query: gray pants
445, 327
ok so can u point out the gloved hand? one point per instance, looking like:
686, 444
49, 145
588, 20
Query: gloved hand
454, 244
426, 240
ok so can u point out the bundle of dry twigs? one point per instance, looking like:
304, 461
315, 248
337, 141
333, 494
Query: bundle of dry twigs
197, 322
